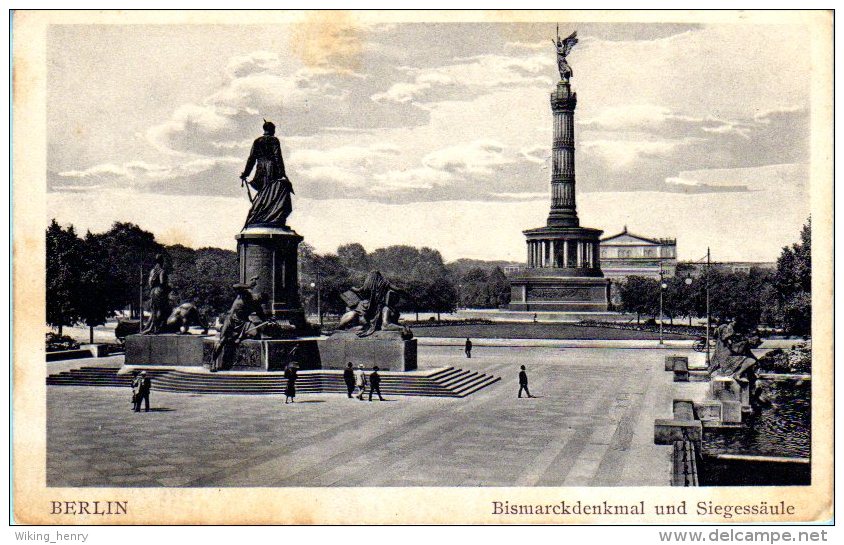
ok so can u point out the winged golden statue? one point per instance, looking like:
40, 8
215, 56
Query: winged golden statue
563, 49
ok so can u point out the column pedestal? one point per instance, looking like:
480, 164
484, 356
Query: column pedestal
271, 254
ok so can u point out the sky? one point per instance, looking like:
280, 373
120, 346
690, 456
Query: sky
434, 135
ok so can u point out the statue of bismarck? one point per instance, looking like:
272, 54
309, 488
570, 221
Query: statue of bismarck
273, 200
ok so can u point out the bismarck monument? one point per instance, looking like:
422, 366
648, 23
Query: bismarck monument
267, 248
265, 329
563, 270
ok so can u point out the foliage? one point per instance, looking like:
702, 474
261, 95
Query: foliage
793, 285
796, 360
90, 279
203, 277
796, 314
64, 262
482, 289
640, 296
96, 283
354, 258
129, 252
56, 342
440, 295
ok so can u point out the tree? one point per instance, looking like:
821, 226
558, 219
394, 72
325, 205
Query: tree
216, 270
498, 287
440, 296
96, 284
395, 262
354, 257
640, 295
333, 279
673, 298
473, 293
793, 284
129, 250
64, 262
740, 296
482, 289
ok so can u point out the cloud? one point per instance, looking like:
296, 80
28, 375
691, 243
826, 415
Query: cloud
476, 157
300, 100
685, 185
414, 178
362, 156
255, 62
536, 154
426, 113
469, 76
536, 195
646, 146
619, 154
189, 176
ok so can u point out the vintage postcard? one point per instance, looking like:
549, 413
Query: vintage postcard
324, 267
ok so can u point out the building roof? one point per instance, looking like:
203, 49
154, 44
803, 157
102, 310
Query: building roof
625, 234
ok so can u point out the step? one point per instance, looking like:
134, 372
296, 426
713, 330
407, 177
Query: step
440, 372
448, 382
488, 381
469, 383
441, 377
456, 381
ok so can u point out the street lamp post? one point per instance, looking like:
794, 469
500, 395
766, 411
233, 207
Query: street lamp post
662, 286
140, 302
318, 286
707, 306
688, 282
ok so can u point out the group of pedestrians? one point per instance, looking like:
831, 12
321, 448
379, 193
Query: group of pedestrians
356, 380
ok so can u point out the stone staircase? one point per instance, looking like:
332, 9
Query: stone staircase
98, 376
446, 382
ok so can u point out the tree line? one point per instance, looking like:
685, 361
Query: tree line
92, 277
780, 298
430, 283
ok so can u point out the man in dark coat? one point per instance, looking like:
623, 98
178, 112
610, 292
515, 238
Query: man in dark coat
523, 382
273, 202
144, 386
468, 348
375, 383
349, 379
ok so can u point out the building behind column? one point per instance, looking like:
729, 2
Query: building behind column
563, 271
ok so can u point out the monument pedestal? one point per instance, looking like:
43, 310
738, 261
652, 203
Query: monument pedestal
271, 254
386, 349
169, 350
548, 289
269, 354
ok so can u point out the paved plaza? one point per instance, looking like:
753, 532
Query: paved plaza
590, 425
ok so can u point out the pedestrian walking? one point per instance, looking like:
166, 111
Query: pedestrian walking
523, 382
360, 381
144, 386
468, 348
375, 383
349, 379
291, 376
136, 386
